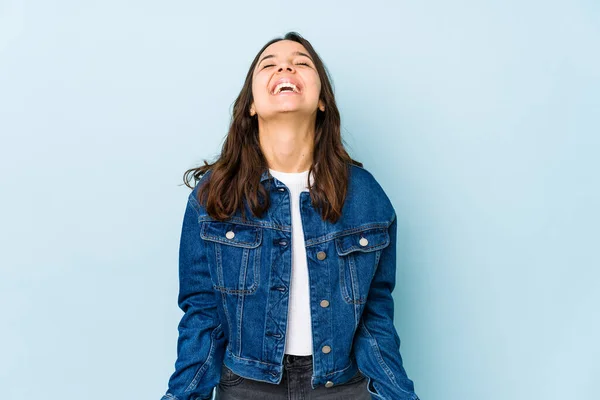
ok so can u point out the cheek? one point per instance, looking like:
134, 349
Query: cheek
316, 88
315, 84
259, 87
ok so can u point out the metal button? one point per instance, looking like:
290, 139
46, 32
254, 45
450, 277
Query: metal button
328, 384
281, 189
229, 235
326, 349
324, 303
321, 255
363, 241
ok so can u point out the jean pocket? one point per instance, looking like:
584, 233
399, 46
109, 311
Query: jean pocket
236, 253
229, 378
357, 378
358, 255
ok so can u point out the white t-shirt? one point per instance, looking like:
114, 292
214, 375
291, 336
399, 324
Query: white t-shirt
299, 329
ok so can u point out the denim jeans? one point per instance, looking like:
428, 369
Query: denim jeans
294, 385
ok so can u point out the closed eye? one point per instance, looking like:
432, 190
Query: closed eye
301, 63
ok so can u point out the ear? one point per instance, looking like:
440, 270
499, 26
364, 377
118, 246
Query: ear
321, 106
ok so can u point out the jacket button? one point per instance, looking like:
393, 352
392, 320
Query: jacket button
328, 384
363, 241
326, 349
324, 303
321, 255
229, 235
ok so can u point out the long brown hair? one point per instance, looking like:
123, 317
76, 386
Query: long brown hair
235, 175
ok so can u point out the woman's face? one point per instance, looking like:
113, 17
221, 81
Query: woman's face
285, 61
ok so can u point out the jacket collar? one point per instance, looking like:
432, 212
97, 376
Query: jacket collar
265, 175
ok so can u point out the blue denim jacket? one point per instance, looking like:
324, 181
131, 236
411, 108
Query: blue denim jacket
234, 291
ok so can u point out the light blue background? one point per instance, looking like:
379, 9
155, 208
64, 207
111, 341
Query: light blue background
479, 119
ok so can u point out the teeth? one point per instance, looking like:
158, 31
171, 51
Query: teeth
285, 84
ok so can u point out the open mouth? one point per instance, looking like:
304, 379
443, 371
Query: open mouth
285, 86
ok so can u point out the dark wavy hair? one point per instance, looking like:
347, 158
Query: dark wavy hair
235, 175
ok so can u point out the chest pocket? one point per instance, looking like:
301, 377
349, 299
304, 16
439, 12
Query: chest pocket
236, 255
358, 255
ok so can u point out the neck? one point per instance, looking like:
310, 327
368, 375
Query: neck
287, 146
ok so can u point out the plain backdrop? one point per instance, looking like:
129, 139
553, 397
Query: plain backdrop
479, 119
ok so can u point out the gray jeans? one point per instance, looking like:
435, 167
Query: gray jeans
295, 385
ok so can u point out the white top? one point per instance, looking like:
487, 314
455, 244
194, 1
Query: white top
299, 329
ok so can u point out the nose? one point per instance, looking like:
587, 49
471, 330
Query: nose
286, 66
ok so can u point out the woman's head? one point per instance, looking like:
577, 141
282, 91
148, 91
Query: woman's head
287, 61
235, 176
290, 57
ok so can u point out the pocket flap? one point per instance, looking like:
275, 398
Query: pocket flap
366, 240
231, 234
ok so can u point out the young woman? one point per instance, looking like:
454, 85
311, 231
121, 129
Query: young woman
288, 252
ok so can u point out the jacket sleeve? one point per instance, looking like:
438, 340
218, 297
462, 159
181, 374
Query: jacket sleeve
201, 342
376, 344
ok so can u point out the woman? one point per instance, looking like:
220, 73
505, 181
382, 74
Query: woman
287, 254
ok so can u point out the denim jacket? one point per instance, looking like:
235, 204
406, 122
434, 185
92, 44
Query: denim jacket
234, 281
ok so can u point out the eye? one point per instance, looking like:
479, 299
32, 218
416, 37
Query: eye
303, 63
268, 65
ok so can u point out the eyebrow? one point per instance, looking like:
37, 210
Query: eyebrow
296, 53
